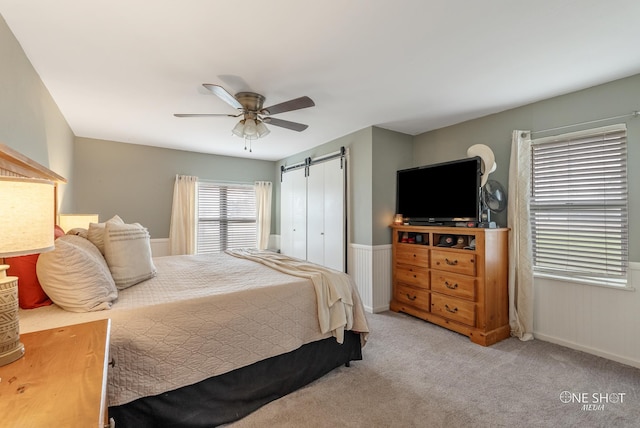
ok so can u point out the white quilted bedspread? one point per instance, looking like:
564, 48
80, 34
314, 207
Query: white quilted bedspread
200, 316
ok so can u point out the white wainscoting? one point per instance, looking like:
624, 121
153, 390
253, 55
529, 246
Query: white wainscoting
597, 320
370, 267
160, 247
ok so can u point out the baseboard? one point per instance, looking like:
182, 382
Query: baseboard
379, 309
588, 350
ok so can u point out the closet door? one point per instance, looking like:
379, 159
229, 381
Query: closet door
315, 214
293, 214
326, 214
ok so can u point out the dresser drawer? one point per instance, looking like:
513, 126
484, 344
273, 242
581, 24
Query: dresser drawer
461, 286
412, 296
413, 255
454, 309
452, 261
413, 275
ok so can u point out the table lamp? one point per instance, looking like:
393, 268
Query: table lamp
26, 227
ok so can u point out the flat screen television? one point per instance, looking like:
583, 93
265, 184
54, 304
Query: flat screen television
441, 193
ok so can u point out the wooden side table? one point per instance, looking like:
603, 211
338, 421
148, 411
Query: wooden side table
60, 381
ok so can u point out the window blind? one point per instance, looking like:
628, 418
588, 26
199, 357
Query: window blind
226, 217
579, 206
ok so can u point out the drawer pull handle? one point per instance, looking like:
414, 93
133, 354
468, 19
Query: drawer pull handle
451, 262
453, 311
410, 297
451, 286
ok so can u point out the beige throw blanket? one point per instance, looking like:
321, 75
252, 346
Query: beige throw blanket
335, 291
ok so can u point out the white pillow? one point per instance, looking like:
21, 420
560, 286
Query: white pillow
76, 276
127, 249
96, 232
81, 232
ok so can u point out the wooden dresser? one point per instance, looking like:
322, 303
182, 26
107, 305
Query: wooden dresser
461, 287
61, 380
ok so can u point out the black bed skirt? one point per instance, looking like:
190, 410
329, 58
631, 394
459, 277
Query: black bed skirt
231, 396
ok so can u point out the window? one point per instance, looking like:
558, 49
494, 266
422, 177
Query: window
579, 206
226, 217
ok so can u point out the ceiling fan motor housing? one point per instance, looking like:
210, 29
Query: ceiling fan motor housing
251, 101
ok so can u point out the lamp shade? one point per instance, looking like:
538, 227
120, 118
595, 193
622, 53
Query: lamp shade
26, 227
73, 221
26, 216
250, 128
238, 130
263, 131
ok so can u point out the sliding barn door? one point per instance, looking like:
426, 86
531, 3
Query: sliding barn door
313, 214
326, 214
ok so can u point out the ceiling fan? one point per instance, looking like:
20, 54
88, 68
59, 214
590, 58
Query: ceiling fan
254, 115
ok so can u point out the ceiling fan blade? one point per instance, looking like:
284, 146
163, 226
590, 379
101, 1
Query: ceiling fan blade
223, 95
204, 115
296, 104
294, 126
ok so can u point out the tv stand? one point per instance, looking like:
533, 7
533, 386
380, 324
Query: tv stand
462, 287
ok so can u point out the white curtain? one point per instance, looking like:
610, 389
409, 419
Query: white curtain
182, 233
263, 213
520, 254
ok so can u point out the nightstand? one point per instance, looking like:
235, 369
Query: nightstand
60, 381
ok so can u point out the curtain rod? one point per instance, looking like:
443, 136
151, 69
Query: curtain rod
635, 113
223, 182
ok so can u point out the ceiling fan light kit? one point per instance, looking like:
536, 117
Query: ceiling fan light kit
250, 129
250, 105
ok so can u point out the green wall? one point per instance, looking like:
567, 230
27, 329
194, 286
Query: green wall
136, 182
391, 151
30, 121
375, 154
604, 101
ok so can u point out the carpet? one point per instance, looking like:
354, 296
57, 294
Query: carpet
416, 374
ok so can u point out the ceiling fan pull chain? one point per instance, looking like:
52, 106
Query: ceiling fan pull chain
245, 145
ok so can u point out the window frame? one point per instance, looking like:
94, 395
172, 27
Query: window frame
618, 204
222, 218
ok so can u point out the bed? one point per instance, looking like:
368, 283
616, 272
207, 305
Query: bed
205, 340
204, 316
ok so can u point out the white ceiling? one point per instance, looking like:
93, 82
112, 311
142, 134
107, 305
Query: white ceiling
119, 69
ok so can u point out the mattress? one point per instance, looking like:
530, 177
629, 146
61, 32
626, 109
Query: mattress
201, 316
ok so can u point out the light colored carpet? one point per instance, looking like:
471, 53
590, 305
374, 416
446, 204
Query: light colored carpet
415, 374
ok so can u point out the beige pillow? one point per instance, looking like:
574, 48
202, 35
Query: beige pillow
127, 249
96, 232
76, 276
